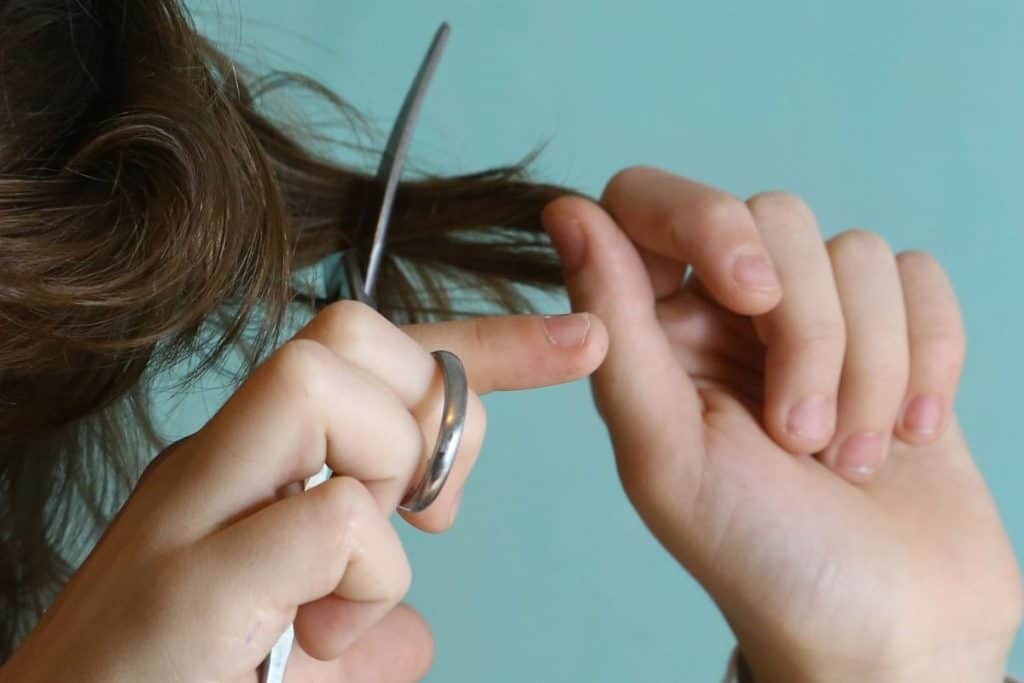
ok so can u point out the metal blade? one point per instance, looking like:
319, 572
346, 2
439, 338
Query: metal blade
393, 160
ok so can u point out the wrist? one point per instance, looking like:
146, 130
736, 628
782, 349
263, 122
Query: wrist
979, 666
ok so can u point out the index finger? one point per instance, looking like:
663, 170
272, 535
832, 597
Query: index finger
499, 352
505, 353
699, 225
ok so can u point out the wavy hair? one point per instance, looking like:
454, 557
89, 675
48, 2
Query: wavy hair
152, 210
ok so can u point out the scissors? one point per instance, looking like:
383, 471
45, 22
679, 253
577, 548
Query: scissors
362, 286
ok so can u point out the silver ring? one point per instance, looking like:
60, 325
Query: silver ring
449, 436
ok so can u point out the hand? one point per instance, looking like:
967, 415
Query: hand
782, 422
218, 549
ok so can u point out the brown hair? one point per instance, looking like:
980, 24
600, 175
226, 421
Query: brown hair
151, 211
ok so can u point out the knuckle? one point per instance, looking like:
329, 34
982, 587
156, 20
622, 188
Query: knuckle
301, 381
860, 246
351, 510
781, 206
715, 213
342, 506
350, 324
301, 370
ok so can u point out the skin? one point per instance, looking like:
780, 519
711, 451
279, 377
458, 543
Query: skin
891, 565
218, 549
894, 568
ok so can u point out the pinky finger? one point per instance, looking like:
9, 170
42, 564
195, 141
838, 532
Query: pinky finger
937, 348
326, 555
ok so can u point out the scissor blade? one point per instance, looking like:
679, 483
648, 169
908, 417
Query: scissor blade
390, 170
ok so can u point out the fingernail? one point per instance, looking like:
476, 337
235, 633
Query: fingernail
811, 418
860, 454
567, 236
753, 270
923, 415
567, 330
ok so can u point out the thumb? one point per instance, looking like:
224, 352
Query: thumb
649, 403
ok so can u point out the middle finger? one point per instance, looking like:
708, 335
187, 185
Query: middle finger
805, 334
367, 340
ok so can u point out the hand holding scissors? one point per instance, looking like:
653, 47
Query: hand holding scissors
219, 549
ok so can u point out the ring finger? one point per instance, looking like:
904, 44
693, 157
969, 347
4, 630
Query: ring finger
876, 367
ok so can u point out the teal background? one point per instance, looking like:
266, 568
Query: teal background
900, 116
